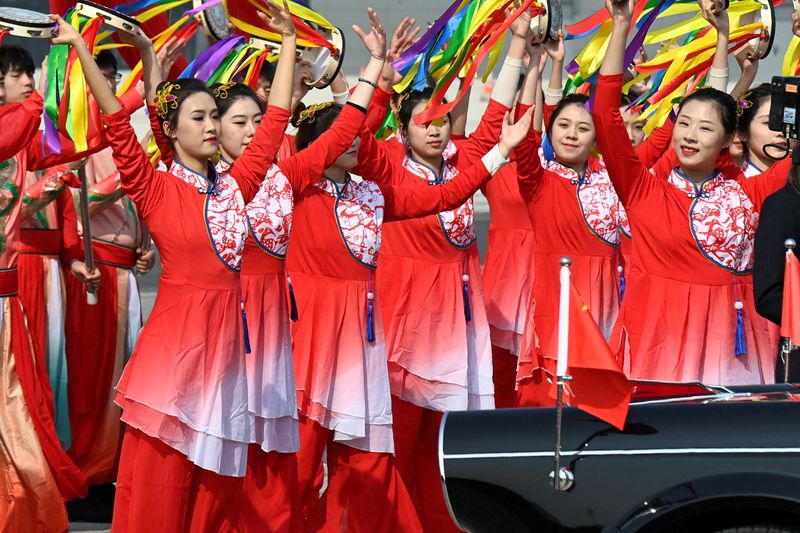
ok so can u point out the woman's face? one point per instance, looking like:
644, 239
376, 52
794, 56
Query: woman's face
635, 127
238, 127
759, 134
699, 137
428, 141
573, 135
197, 129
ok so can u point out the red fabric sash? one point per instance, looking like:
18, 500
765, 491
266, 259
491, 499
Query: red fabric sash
9, 282
40, 241
113, 255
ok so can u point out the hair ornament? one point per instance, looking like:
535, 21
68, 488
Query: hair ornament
308, 115
165, 100
221, 91
743, 103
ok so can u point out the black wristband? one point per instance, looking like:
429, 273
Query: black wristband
368, 82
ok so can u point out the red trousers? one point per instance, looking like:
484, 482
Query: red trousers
416, 441
365, 492
158, 489
271, 502
504, 376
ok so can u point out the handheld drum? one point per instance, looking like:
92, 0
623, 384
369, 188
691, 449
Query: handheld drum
213, 20
546, 25
766, 15
112, 18
325, 64
26, 23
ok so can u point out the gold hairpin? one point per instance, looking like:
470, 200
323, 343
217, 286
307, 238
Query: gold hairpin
743, 104
221, 91
307, 115
165, 100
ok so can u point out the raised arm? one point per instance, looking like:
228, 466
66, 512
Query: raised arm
503, 94
718, 74
759, 187
51, 183
748, 63
627, 173
656, 144
307, 166
421, 199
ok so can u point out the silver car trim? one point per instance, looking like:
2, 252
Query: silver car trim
602, 453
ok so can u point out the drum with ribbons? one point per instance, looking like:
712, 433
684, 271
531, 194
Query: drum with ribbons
26, 23
111, 18
766, 16
213, 19
319, 43
547, 21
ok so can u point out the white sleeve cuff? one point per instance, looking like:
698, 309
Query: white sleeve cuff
494, 160
552, 96
718, 78
341, 98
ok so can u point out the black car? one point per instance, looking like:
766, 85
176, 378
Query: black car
690, 458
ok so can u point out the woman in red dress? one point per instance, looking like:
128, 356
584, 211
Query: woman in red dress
688, 313
184, 392
437, 332
339, 351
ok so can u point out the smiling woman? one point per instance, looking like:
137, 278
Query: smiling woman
688, 314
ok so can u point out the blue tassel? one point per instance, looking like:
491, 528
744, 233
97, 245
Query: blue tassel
741, 345
621, 284
246, 333
292, 302
370, 320
547, 148
467, 310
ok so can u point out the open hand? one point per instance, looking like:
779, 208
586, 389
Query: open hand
716, 16
279, 19
375, 40
555, 49
513, 134
521, 27
169, 54
136, 37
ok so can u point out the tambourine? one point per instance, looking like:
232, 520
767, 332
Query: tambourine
26, 23
325, 65
546, 25
213, 20
766, 15
110, 17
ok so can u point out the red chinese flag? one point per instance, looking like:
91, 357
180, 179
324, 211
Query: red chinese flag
790, 314
598, 385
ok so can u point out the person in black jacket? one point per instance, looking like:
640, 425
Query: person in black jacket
780, 220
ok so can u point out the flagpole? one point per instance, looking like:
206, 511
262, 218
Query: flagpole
562, 479
91, 294
790, 245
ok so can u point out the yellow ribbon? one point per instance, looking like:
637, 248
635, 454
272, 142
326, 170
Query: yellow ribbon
792, 58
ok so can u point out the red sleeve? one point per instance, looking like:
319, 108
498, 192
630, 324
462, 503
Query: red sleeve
71, 249
131, 100
250, 168
759, 187
547, 112
163, 144
487, 133
307, 166
374, 161
630, 177
140, 181
652, 148
376, 112
530, 174
422, 199
20, 122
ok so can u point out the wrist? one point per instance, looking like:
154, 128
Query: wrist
505, 150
